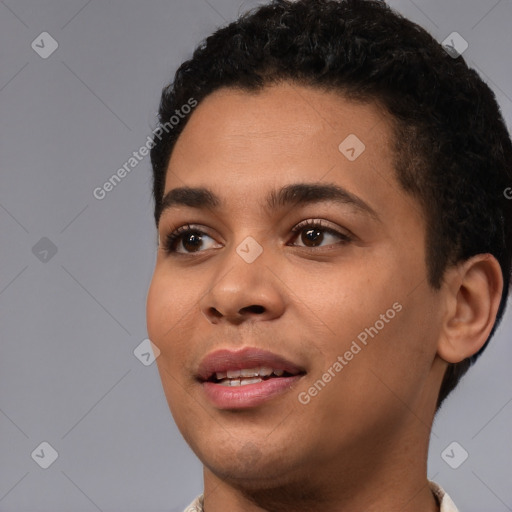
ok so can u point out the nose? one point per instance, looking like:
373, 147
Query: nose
241, 291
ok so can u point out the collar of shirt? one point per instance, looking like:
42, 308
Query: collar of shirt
445, 502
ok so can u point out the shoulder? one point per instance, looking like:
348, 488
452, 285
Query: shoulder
196, 505
445, 502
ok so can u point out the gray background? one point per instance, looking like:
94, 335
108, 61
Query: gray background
69, 325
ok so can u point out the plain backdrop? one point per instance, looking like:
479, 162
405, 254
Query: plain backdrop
74, 270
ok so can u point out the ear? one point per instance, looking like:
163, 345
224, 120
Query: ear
473, 291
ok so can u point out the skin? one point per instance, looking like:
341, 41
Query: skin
361, 443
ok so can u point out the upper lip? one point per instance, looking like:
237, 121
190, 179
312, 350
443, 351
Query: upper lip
248, 357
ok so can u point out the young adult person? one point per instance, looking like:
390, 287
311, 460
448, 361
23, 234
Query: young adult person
334, 253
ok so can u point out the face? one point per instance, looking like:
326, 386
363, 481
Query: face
311, 252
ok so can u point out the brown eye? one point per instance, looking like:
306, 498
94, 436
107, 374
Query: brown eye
312, 236
313, 233
188, 238
191, 241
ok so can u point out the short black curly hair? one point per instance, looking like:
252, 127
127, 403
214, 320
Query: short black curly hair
452, 151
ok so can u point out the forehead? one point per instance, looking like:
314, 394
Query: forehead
284, 121
243, 144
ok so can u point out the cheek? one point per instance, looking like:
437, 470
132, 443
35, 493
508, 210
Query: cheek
398, 359
167, 304
155, 306
345, 300
372, 313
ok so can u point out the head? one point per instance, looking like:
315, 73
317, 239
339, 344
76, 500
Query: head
274, 94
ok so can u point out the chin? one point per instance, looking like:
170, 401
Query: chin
248, 465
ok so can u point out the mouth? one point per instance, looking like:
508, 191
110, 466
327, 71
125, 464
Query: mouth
246, 378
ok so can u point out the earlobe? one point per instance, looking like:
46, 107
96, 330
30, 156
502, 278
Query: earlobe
473, 291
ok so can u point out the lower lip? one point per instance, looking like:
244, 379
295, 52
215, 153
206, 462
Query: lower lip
250, 395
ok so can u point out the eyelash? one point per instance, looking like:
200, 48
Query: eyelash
176, 235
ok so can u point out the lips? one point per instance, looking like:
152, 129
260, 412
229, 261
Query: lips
216, 365
246, 378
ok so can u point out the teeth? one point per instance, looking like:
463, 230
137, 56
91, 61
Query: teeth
265, 371
244, 382
253, 372
240, 382
228, 382
246, 375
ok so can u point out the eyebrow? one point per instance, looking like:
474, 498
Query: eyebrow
296, 194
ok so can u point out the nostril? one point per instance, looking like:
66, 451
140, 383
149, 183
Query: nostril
215, 312
256, 309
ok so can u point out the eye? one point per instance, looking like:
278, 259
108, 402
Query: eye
188, 237
313, 233
191, 239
